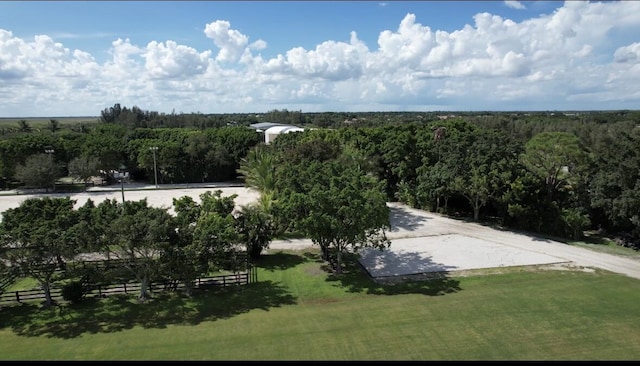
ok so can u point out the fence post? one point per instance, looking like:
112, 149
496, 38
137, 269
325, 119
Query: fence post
18, 296
125, 288
99, 290
224, 281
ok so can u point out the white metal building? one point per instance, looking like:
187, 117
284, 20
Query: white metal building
272, 132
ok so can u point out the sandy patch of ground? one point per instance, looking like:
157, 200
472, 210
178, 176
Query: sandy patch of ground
445, 253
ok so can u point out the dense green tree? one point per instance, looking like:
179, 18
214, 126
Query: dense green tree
39, 171
556, 158
16, 150
70, 145
83, 168
347, 214
400, 156
205, 238
219, 164
138, 235
35, 238
615, 187
475, 163
216, 238
528, 207
256, 228
91, 234
111, 114
434, 184
181, 259
486, 169
337, 205
197, 146
105, 142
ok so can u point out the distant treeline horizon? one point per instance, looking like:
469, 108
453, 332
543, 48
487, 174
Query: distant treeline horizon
439, 112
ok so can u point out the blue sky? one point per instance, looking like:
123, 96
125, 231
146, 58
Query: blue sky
76, 58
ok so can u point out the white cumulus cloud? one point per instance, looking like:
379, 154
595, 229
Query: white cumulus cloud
515, 4
172, 60
230, 41
630, 53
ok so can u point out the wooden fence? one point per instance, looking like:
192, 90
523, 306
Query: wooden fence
241, 278
7, 280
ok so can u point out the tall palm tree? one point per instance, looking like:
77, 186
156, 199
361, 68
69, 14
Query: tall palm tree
258, 169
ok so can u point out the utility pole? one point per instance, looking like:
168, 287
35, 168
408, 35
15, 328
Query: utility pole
50, 152
155, 168
122, 188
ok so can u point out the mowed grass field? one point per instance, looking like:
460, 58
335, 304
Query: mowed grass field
298, 311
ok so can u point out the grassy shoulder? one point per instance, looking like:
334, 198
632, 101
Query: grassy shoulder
603, 244
299, 311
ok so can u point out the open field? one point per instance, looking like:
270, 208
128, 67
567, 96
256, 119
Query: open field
40, 122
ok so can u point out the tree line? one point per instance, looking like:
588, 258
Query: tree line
554, 182
548, 172
183, 155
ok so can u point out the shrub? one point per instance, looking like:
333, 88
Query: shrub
73, 291
575, 222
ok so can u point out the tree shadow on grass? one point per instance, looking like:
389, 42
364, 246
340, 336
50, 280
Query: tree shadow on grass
356, 278
278, 261
120, 312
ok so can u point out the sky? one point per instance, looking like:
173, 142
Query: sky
76, 58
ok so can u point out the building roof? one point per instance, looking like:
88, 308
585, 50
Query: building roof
265, 125
283, 129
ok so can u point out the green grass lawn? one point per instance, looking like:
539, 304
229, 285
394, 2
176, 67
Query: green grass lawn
297, 311
23, 283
